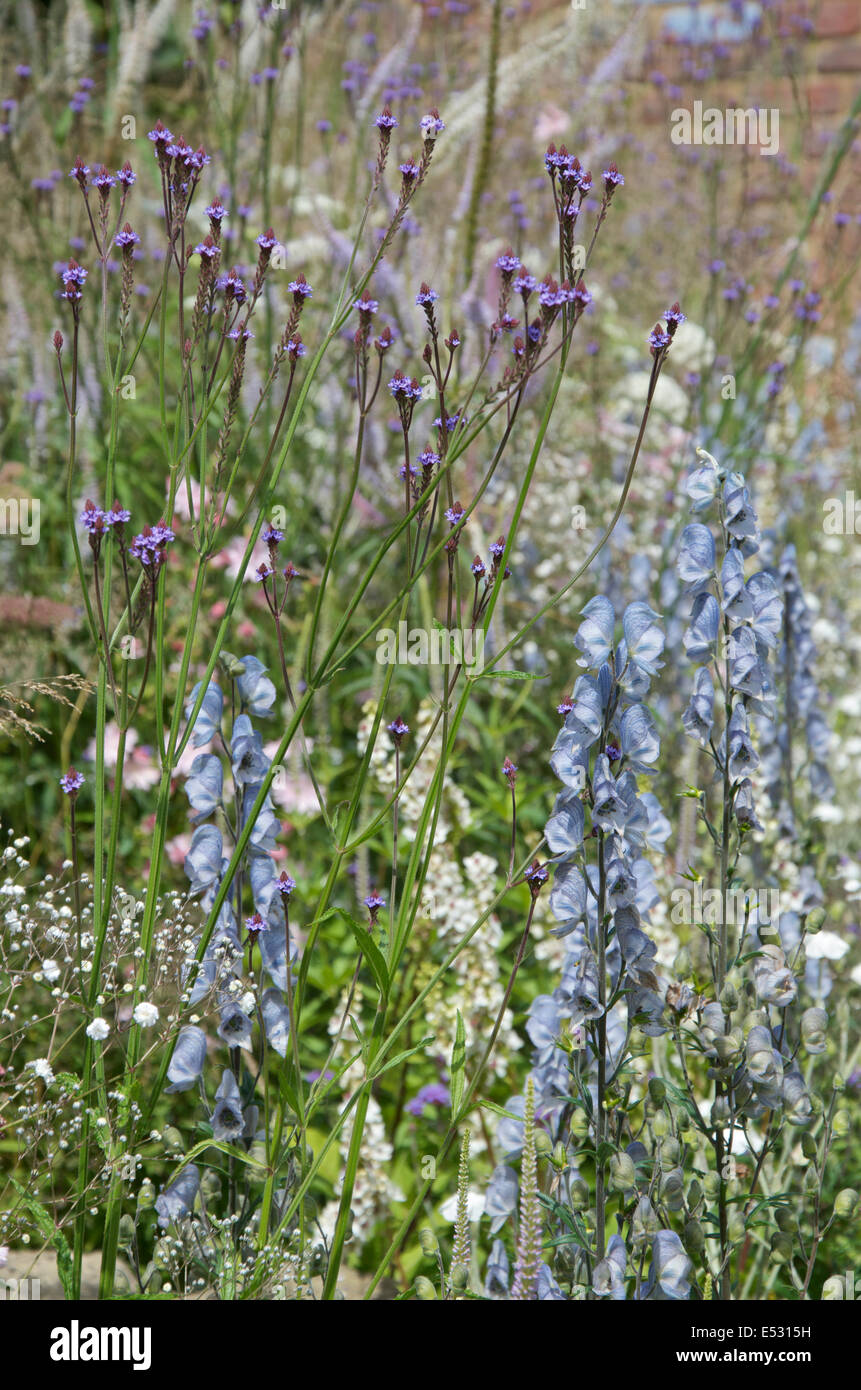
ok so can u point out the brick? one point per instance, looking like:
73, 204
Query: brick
825, 98
846, 58
838, 18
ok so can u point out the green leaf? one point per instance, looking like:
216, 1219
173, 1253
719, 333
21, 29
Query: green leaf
402, 1056
370, 950
457, 1071
510, 676
52, 1233
500, 1110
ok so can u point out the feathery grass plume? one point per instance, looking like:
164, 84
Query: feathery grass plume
16, 711
529, 1235
460, 1254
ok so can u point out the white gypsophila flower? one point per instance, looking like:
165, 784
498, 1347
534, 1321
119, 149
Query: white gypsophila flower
146, 1015
98, 1030
50, 970
42, 1067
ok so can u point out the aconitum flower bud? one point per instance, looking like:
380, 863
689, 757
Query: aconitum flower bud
846, 1203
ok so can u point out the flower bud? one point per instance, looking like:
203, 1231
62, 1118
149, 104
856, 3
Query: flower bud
785, 1219
459, 1277
424, 1289
657, 1090
146, 1195
846, 1203
428, 1242
729, 997
720, 1113
543, 1144
623, 1174
559, 1157
815, 921
736, 1227
811, 1180
126, 1232
682, 965
579, 1195
579, 1124
841, 1124
781, 1247
813, 1025
711, 1185
660, 1124
695, 1194
673, 1190
670, 1151
695, 1241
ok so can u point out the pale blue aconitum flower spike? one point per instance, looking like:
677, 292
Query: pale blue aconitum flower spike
703, 483
547, 1289
255, 688
737, 602
703, 629
227, 1119
204, 859
773, 981
743, 806
564, 830
741, 519
696, 562
644, 638
669, 1272
767, 604
659, 825
267, 826
496, 1278
639, 739
698, 718
204, 786
501, 1197
568, 896
178, 1200
594, 637
637, 948
796, 1099
235, 1026
250, 763
746, 672
608, 1279
276, 1020
609, 811
620, 880
186, 1063
743, 757
273, 952
208, 721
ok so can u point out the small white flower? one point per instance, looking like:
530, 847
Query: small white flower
42, 1068
826, 946
474, 1206
146, 1015
51, 970
98, 1030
